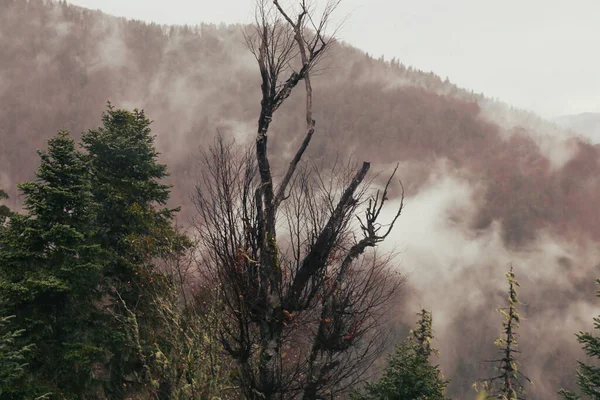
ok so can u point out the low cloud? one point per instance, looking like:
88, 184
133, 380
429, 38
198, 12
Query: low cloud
458, 273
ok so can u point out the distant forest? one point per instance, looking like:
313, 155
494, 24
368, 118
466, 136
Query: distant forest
60, 64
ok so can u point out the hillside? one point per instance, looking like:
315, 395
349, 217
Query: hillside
486, 184
586, 124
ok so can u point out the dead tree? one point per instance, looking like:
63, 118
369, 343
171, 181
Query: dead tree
302, 298
507, 384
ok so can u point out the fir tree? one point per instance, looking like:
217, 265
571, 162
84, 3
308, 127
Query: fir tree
135, 226
423, 335
588, 376
409, 375
4, 210
12, 359
133, 220
507, 384
50, 272
12, 356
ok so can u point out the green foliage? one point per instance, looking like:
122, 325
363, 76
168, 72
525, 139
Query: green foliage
50, 270
12, 358
588, 375
134, 228
126, 184
423, 335
4, 210
78, 272
568, 395
409, 375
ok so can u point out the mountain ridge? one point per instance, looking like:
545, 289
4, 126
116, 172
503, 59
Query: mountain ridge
586, 124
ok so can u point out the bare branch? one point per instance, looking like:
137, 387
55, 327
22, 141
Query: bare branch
281, 279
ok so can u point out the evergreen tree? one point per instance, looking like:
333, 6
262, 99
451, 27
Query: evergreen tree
50, 272
4, 210
507, 385
423, 335
409, 375
135, 226
588, 376
12, 359
12, 355
134, 223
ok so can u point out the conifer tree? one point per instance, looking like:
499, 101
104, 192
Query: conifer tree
50, 271
409, 374
507, 383
588, 375
12, 359
12, 355
134, 223
4, 210
135, 226
423, 334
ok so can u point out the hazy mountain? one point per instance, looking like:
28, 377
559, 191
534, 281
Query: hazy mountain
586, 124
486, 184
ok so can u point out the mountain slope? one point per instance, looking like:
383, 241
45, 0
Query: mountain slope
67, 62
586, 124
486, 184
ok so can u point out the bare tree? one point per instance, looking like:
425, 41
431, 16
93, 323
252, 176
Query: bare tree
302, 298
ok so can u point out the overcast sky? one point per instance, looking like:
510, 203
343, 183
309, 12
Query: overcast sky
541, 55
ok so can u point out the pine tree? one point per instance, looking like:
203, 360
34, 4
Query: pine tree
588, 376
50, 272
409, 375
135, 226
507, 385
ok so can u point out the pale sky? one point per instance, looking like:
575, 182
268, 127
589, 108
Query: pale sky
540, 55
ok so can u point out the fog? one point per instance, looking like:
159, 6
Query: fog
522, 53
459, 274
455, 270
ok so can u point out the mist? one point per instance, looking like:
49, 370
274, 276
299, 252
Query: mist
469, 164
459, 273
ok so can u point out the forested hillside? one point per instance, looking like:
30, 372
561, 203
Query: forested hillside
485, 184
587, 124
61, 64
